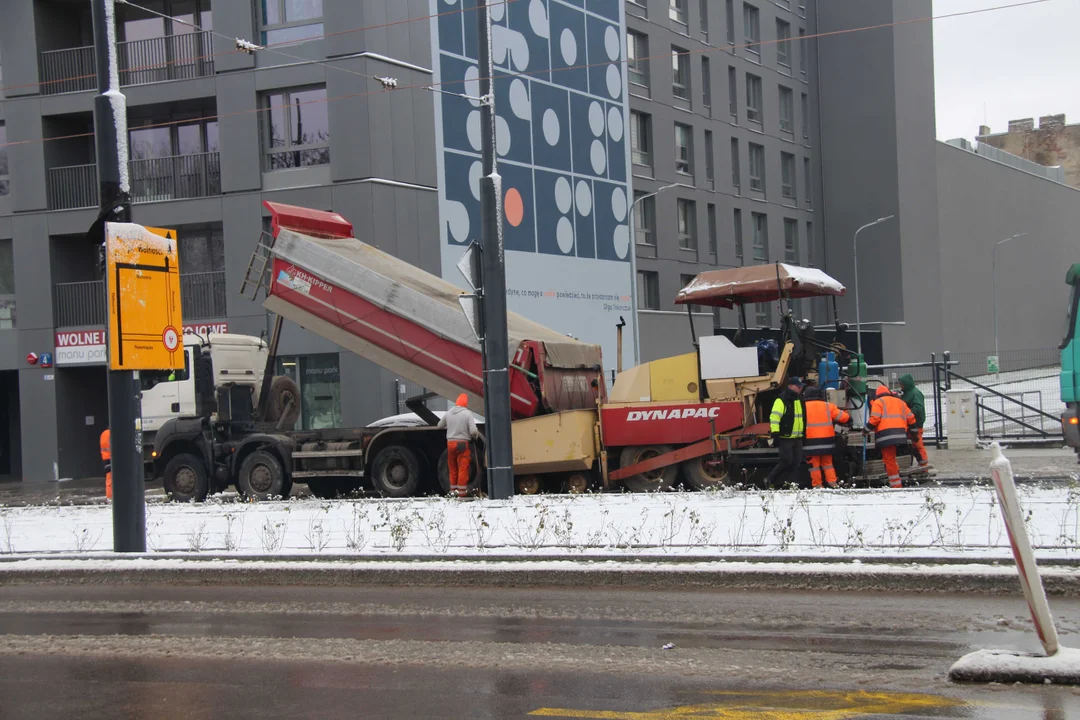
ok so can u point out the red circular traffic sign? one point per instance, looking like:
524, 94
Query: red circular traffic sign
171, 338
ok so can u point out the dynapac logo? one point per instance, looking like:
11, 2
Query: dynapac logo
673, 414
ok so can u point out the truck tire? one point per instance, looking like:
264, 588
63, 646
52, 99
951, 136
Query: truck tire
654, 481
700, 475
186, 479
261, 477
283, 401
444, 474
395, 472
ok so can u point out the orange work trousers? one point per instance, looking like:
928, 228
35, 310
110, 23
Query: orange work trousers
108, 485
920, 449
458, 458
822, 465
888, 455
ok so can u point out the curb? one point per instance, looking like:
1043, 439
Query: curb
847, 577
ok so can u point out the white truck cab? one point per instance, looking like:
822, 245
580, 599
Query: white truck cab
238, 359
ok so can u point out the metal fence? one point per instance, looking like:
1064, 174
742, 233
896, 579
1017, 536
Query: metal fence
82, 304
176, 177
172, 57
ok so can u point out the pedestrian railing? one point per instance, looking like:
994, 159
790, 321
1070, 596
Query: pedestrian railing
176, 177
172, 57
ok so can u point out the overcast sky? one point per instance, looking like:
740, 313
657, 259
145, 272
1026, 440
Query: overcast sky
1005, 65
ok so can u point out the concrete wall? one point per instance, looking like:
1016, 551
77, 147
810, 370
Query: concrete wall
983, 202
669, 333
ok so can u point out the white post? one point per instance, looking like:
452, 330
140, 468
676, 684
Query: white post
1030, 581
855, 258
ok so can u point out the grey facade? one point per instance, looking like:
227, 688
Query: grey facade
380, 175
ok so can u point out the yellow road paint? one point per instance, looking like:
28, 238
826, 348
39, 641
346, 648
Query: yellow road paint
788, 705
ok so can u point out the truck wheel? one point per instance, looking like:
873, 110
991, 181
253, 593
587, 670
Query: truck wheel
261, 477
186, 479
395, 472
528, 484
660, 479
444, 475
576, 483
284, 401
703, 473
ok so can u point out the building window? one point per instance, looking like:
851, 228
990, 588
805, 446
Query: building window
787, 176
706, 84
5, 177
787, 110
757, 167
638, 7
737, 234
648, 290
736, 179
677, 11
760, 222
319, 380
7, 285
680, 70
810, 244
807, 184
791, 241
710, 174
804, 53
644, 218
686, 211
763, 314
290, 21
783, 43
733, 94
806, 118
731, 22
705, 18
710, 218
753, 98
752, 28
684, 151
297, 128
637, 58
641, 138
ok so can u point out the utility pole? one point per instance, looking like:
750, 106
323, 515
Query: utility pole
125, 416
500, 452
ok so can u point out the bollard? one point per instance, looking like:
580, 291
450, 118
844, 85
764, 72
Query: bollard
1001, 469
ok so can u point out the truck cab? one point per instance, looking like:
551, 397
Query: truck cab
1070, 363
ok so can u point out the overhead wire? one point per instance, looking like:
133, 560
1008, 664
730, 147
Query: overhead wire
433, 86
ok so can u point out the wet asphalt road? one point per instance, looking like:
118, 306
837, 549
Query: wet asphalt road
161, 652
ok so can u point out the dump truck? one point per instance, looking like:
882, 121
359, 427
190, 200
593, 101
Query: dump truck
696, 418
1070, 363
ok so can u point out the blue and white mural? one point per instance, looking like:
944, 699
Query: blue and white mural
561, 119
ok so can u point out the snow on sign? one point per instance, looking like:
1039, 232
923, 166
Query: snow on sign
144, 298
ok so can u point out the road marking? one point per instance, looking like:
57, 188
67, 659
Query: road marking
788, 705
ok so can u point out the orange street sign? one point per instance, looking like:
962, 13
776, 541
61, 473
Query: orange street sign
143, 276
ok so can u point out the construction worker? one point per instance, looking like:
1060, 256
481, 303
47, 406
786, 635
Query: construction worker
106, 458
460, 431
787, 427
890, 419
915, 401
820, 443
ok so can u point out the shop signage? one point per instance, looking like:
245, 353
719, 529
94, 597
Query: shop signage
80, 347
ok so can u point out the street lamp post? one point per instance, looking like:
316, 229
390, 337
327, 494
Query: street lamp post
993, 254
633, 259
855, 255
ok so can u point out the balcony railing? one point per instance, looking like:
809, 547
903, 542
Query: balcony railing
79, 304
82, 304
172, 57
202, 295
178, 177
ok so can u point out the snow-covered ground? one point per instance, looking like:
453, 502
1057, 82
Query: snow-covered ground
953, 521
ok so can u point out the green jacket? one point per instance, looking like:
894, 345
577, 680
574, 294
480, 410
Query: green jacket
914, 399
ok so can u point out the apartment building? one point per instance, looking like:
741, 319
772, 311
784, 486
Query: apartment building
724, 146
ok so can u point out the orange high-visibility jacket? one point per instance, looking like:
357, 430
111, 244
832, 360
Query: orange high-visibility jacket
889, 418
106, 450
820, 434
